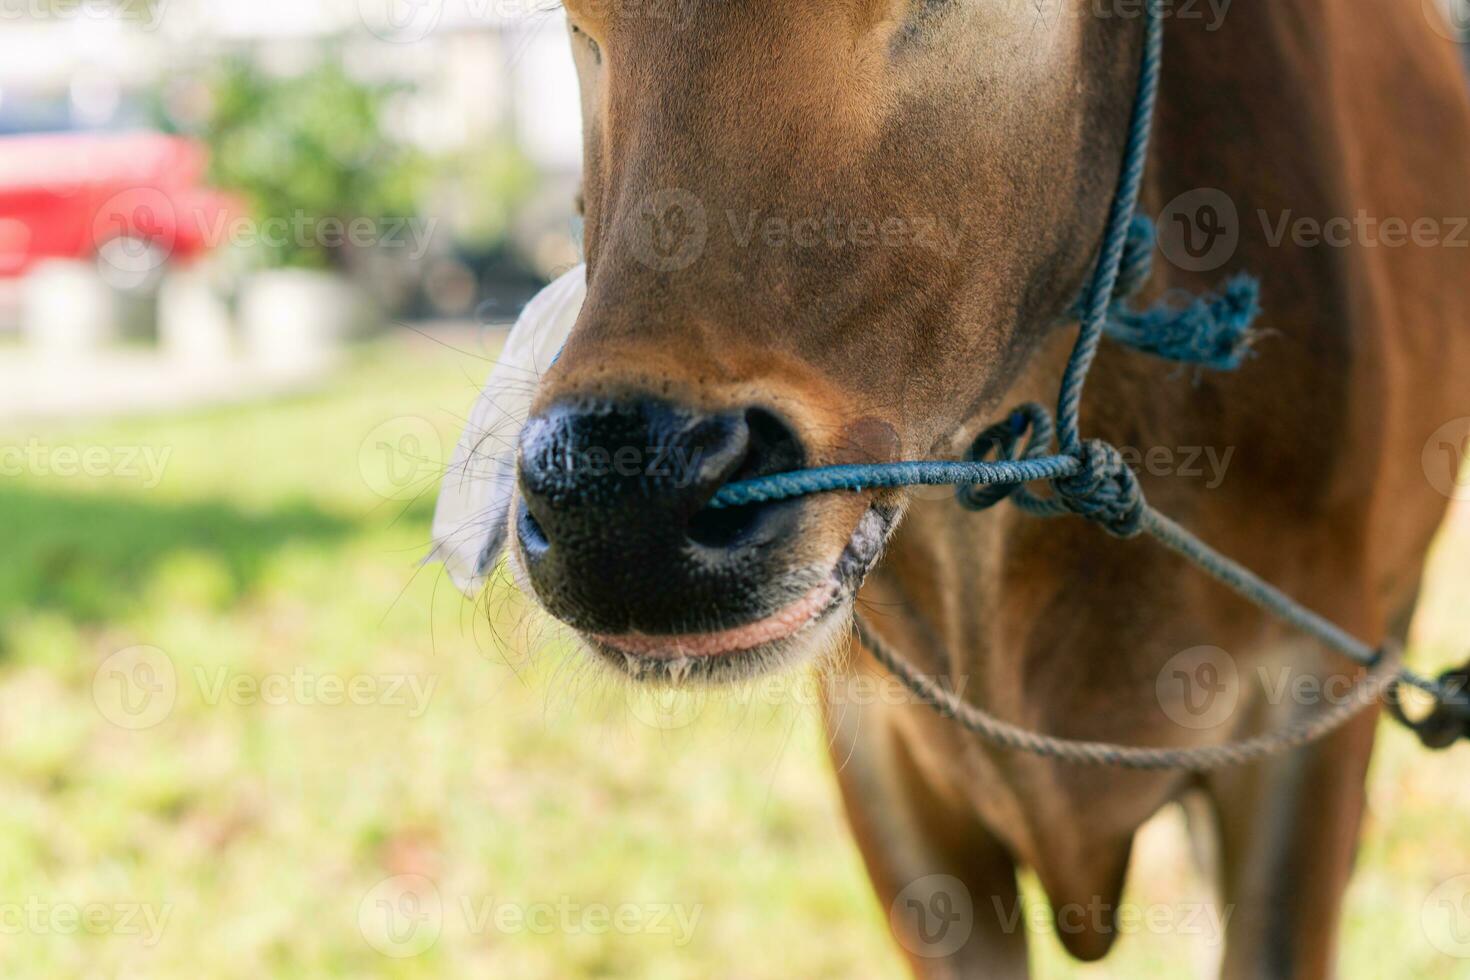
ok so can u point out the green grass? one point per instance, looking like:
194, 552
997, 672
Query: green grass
257, 826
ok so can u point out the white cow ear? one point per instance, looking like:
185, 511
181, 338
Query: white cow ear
473, 514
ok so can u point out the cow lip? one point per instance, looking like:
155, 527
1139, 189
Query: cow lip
769, 643
667, 666
779, 626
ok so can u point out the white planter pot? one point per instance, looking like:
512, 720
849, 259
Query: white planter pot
66, 309
194, 324
296, 321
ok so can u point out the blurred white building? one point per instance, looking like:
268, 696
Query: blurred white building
479, 72
483, 64
480, 69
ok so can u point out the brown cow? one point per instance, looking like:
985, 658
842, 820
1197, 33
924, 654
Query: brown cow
826, 231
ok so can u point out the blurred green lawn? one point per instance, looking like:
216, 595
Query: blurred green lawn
513, 813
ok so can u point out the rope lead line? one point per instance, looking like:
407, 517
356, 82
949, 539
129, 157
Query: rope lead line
1089, 478
1366, 691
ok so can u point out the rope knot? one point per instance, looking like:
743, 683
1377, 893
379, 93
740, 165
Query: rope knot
1104, 490
1448, 721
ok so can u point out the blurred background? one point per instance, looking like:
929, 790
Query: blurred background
256, 260
234, 192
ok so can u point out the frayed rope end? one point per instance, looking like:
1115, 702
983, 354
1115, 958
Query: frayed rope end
1213, 330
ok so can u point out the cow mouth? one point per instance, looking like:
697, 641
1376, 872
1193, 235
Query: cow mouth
786, 636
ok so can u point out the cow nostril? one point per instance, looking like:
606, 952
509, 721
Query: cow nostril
587, 489
532, 537
725, 528
772, 447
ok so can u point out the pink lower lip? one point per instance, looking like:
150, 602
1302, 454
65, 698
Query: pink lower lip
775, 627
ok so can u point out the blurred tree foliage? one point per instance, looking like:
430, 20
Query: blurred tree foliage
486, 183
308, 149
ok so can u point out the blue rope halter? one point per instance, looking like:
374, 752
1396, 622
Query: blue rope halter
1089, 477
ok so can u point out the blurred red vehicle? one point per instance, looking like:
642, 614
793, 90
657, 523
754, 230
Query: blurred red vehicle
135, 201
